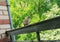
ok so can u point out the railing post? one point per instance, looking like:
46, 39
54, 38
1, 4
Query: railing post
38, 36
11, 38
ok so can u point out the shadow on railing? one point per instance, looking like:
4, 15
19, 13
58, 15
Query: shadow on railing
49, 24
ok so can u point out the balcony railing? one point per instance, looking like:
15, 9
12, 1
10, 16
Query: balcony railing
49, 24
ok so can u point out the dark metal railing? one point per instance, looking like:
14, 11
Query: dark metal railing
49, 24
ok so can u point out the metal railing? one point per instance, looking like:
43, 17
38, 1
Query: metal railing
49, 24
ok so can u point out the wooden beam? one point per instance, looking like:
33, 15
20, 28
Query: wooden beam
3, 8
2, 2
4, 21
4, 26
3, 17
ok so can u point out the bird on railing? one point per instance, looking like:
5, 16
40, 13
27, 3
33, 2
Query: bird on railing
26, 21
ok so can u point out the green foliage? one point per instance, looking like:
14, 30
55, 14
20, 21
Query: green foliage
58, 2
38, 10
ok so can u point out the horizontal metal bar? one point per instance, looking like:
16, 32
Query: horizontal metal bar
53, 23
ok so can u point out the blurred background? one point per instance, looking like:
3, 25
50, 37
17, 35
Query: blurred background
37, 10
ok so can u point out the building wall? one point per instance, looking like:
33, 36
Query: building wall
4, 18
